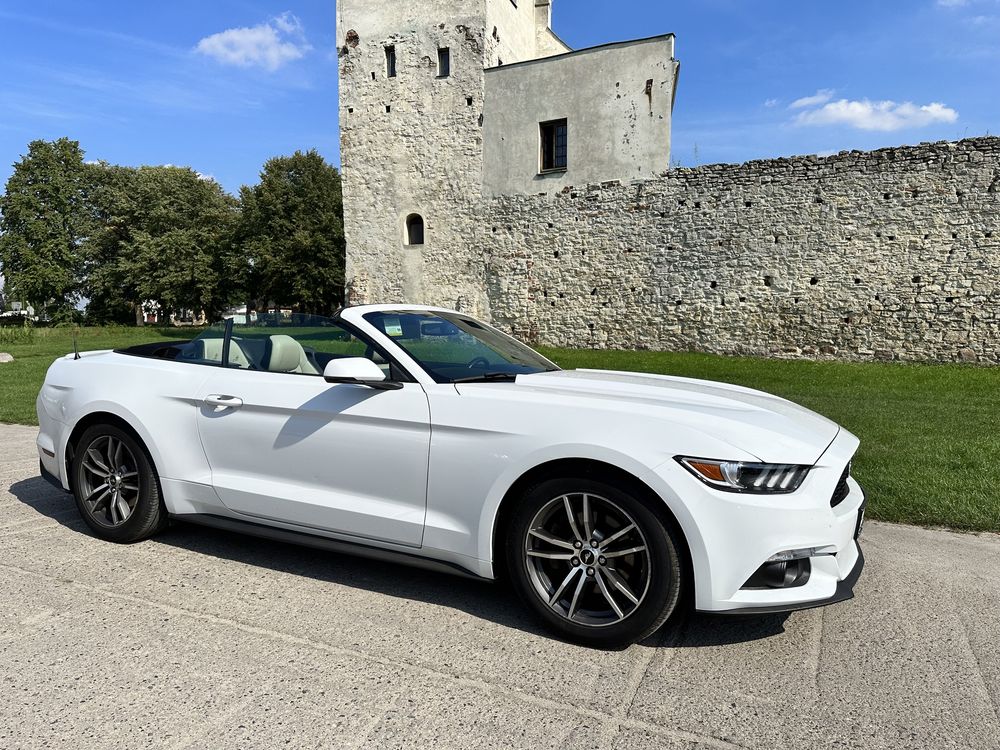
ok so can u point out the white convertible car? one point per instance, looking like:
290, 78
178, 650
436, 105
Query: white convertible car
423, 435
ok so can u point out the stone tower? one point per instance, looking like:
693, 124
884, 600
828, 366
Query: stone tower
422, 157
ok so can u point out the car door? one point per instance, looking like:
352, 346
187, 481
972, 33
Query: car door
285, 445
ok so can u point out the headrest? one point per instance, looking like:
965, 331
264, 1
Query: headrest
286, 354
211, 350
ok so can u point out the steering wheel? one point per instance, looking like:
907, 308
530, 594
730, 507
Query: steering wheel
480, 362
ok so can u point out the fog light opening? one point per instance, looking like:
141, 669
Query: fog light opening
781, 574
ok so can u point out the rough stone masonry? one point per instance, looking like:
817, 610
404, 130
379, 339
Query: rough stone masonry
890, 254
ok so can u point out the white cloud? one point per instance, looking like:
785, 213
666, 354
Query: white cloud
288, 23
963, 3
820, 97
771, 103
268, 45
884, 116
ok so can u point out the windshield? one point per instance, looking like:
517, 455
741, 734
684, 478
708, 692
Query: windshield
454, 348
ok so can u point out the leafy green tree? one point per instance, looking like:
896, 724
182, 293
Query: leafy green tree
292, 229
46, 217
166, 236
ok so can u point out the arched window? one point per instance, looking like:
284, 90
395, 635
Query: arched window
414, 229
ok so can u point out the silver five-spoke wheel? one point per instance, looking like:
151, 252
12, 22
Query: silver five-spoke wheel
110, 481
588, 559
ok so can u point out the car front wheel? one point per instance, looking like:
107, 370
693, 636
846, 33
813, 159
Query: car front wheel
595, 562
115, 485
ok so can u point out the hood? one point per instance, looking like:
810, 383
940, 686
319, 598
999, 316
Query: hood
771, 428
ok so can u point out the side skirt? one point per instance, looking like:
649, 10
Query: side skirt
315, 541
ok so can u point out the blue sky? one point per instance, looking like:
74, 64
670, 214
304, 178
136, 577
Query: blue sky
221, 85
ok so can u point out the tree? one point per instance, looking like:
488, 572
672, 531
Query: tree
292, 229
165, 236
46, 217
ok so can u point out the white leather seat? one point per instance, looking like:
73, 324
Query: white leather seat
287, 355
211, 351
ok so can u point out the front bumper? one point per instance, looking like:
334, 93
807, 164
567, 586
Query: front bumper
845, 591
731, 536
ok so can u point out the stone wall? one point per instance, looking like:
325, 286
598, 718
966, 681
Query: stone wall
890, 254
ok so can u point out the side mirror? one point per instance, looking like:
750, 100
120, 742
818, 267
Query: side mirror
359, 371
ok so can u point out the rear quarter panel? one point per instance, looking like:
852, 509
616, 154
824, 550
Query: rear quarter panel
157, 398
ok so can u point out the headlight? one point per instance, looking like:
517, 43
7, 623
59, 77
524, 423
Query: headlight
742, 476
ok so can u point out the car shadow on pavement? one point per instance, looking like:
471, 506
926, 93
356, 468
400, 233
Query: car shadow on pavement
494, 603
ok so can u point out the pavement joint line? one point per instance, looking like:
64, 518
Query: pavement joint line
21, 522
218, 720
815, 651
477, 684
993, 701
26, 529
365, 732
55, 517
612, 726
74, 524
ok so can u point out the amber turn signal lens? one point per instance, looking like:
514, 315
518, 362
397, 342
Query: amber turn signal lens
709, 471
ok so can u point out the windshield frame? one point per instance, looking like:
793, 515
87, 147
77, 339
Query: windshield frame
366, 314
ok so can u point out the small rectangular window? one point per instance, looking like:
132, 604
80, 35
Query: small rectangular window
553, 137
444, 62
390, 61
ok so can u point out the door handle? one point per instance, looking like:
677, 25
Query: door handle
223, 402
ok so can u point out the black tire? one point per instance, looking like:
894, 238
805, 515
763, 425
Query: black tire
534, 579
147, 514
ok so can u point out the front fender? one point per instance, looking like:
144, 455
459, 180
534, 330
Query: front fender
501, 487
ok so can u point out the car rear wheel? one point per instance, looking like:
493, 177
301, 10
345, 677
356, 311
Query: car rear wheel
595, 562
115, 485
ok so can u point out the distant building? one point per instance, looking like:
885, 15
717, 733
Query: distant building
447, 105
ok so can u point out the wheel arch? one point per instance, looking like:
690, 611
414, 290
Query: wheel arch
590, 468
101, 417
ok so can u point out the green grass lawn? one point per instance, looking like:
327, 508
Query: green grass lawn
929, 449
21, 379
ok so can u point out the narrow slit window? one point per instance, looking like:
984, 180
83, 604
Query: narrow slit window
414, 229
444, 62
553, 137
390, 61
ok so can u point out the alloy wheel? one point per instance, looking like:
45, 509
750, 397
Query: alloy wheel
587, 559
110, 481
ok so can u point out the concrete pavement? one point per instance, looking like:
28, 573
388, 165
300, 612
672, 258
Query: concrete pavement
203, 639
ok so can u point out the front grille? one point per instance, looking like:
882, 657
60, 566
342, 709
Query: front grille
842, 490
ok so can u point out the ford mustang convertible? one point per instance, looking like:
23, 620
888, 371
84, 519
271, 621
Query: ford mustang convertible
418, 434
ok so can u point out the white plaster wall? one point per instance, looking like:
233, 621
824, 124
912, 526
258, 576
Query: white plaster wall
546, 42
615, 129
515, 27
